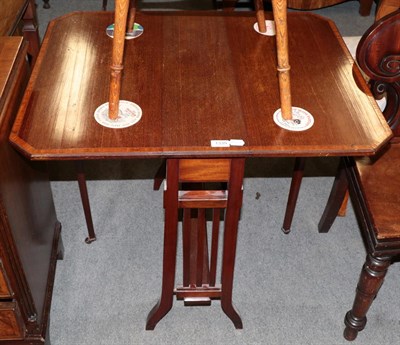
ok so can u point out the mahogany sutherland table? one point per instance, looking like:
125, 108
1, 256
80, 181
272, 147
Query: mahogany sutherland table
197, 77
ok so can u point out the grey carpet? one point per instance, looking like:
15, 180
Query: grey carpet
289, 289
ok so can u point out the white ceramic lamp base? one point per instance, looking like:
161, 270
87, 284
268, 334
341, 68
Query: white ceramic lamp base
137, 31
301, 120
129, 114
270, 24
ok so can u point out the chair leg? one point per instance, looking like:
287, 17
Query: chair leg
297, 177
335, 201
343, 207
85, 202
104, 6
230, 239
170, 242
46, 4
371, 279
365, 7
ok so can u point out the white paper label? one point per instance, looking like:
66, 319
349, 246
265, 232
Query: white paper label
227, 143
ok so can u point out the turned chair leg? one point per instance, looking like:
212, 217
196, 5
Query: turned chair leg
371, 279
295, 185
336, 199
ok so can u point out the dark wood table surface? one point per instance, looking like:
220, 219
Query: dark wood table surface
197, 77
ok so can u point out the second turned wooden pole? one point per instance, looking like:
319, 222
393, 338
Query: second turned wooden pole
280, 17
260, 15
121, 14
131, 16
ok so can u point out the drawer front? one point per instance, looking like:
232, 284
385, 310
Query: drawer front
5, 289
11, 323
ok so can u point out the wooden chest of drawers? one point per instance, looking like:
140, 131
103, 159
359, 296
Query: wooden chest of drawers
18, 17
29, 230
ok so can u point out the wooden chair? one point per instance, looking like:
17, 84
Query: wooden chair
374, 183
199, 284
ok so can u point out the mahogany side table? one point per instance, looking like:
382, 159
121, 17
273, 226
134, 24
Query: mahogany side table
197, 76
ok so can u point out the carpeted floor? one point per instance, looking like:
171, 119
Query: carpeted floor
289, 289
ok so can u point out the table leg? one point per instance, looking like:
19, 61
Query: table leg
85, 202
170, 242
230, 239
297, 177
160, 176
335, 200
198, 276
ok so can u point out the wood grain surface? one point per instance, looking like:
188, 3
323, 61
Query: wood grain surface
197, 77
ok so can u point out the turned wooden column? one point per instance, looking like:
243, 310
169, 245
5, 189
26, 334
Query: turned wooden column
280, 17
131, 16
121, 13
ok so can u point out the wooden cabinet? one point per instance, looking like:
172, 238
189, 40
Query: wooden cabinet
29, 230
18, 17
5, 289
11, 322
